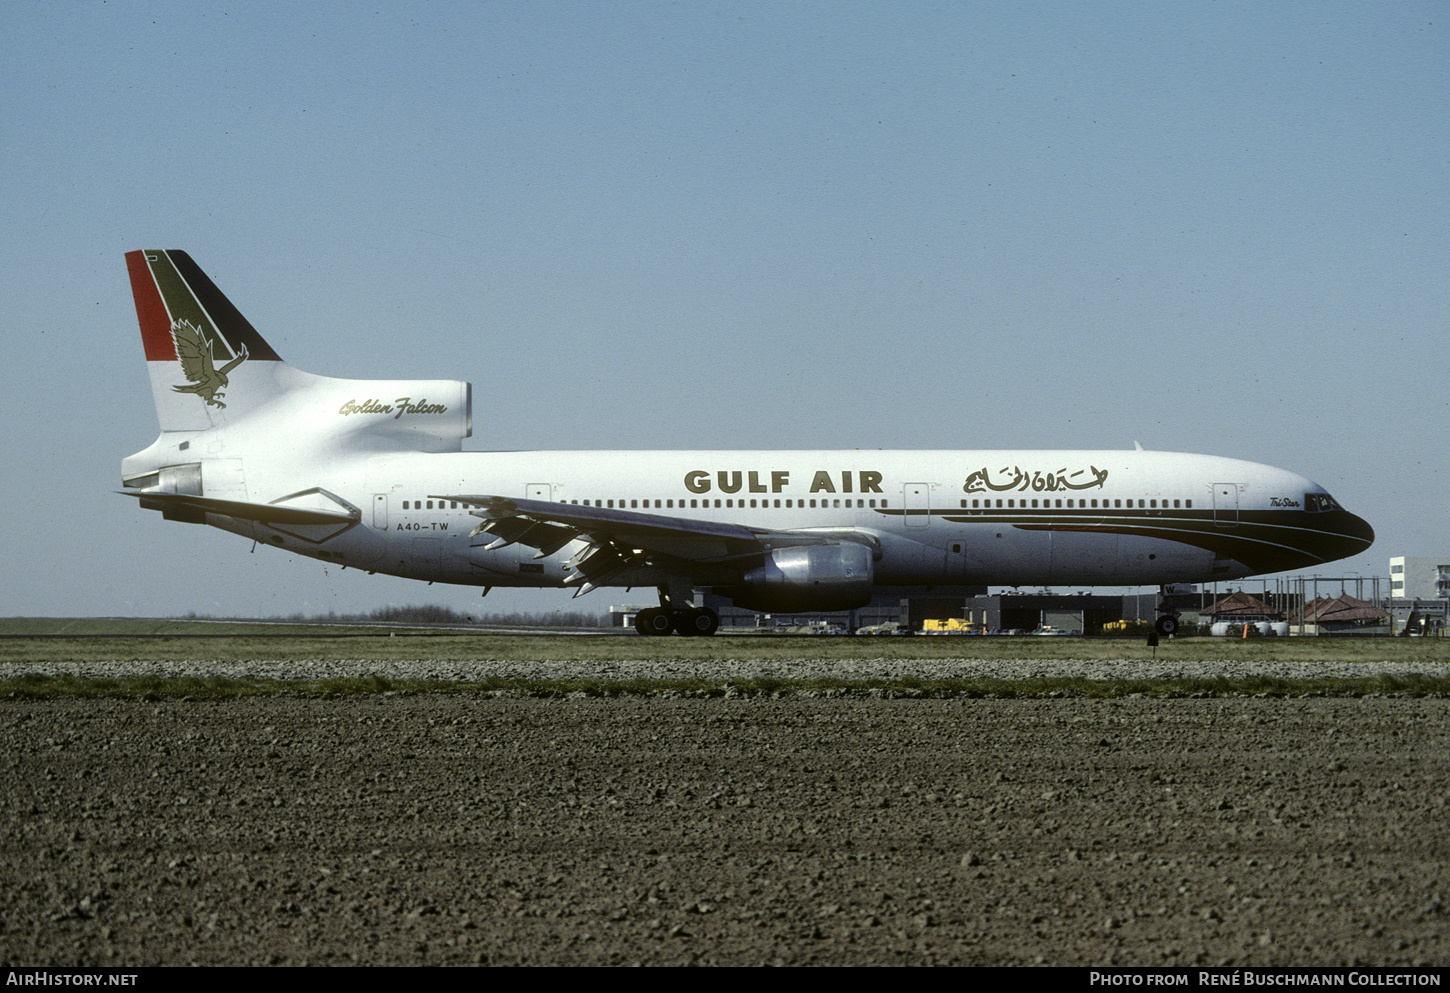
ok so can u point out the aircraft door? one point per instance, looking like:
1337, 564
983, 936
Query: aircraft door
917, 499
380, 511
1225, 505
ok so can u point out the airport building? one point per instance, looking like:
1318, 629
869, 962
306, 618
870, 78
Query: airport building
1420, 595
1314, 606
1414, 578
946, 609
909, 606
899, 606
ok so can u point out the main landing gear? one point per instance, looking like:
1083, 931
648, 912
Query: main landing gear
685, 620
688, 621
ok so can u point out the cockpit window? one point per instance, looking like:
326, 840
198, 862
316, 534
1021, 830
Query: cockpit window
1317, 502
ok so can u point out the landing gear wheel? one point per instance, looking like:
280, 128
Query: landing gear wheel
711, 622
653, 620
697, 621
1166, 625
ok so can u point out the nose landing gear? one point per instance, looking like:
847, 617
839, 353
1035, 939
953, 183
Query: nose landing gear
1171, 599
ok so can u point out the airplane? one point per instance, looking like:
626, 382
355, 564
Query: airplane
371, 474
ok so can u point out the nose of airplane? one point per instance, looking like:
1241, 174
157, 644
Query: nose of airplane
1319, 537
1358, 528
1341, 535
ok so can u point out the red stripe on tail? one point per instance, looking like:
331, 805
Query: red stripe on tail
150, 311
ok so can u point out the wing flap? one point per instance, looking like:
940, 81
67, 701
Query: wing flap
601, 520
549, 526
546, 538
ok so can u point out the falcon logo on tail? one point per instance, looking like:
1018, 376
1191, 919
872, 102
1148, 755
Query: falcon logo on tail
194, 349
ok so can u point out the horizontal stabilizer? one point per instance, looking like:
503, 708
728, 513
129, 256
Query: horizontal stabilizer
266, 513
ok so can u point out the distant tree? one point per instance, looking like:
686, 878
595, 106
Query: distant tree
433, 614
556, 619
418, 614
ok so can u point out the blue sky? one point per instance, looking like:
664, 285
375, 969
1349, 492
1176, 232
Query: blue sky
1208, 227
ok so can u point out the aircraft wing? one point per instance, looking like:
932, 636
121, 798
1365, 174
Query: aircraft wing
618, 538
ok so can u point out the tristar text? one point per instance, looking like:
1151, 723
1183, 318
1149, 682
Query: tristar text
399, 407
755, 481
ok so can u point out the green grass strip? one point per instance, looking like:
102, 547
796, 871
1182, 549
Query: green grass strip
764, 648
40, 687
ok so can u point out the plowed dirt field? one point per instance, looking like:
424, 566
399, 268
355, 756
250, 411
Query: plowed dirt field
457, 829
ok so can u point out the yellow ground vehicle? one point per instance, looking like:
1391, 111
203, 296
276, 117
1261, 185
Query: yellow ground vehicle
949, 625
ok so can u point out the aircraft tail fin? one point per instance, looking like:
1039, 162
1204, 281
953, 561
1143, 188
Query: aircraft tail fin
210, 368
207, 363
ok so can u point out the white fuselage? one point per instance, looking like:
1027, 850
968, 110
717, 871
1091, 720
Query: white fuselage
371, 474
941, 517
